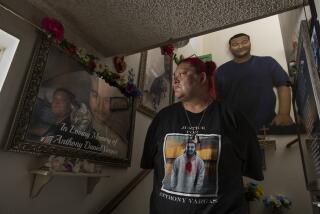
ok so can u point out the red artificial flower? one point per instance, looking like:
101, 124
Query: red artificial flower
71, 48
54, 27
168, 50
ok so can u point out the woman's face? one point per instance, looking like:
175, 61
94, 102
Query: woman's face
186, 81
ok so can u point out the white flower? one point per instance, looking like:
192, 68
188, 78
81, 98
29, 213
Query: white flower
122, 80
81, 52
86, 58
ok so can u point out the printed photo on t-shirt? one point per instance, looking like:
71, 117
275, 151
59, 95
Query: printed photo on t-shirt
191, 164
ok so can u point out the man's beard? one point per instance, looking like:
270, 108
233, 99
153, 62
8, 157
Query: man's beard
191, 155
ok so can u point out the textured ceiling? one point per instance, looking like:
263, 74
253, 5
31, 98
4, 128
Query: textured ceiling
127, 26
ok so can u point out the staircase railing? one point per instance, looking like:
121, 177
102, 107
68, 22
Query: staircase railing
124, 192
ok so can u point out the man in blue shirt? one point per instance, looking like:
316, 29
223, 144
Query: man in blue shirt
246, 83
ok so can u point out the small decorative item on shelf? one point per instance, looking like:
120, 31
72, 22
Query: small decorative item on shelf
55, 163
253, 191
77, 166
277, 203
88, 167
65, 164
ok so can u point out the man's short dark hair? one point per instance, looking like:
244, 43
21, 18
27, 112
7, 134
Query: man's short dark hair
238, 35
69, 94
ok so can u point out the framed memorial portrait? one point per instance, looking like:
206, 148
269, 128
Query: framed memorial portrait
65, 110
155, 82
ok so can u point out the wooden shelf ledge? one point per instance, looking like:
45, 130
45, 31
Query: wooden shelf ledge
43, 177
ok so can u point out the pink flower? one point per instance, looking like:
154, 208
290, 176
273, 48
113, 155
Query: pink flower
91, 64
54, 27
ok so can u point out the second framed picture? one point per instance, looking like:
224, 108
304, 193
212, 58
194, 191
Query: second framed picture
155, 82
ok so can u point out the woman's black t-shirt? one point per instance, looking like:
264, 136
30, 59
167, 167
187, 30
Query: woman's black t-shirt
210, 179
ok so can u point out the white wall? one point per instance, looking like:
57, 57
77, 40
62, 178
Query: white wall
290, 26
284, 175
265, 36
8, 46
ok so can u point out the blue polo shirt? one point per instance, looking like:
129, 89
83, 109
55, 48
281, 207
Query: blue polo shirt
248, 87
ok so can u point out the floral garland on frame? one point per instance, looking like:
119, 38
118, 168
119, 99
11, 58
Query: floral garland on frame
55, 31
168, 50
